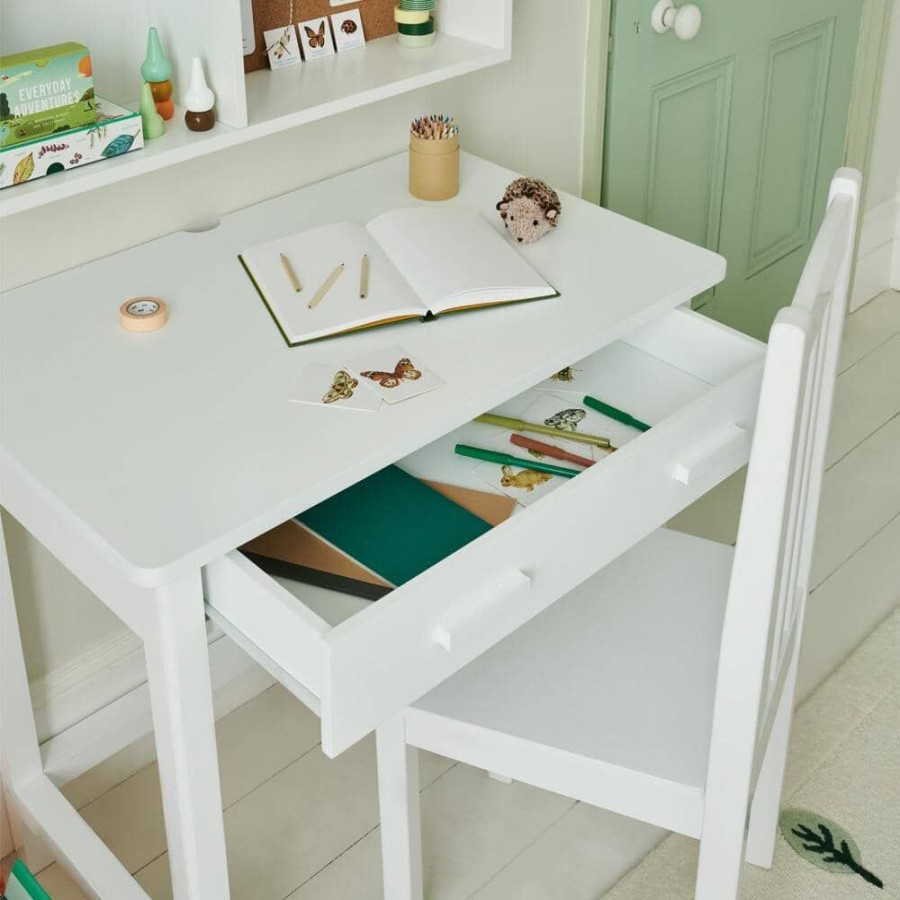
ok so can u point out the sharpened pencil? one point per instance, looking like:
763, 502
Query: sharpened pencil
326, 286
291, 274
364, 277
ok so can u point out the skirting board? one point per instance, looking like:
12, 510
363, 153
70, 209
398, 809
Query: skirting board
109, 712
878, 256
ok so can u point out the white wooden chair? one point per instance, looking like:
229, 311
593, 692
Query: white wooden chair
662, 687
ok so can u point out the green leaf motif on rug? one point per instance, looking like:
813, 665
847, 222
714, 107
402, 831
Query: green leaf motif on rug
824, 844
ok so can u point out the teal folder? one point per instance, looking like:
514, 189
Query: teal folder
393, 524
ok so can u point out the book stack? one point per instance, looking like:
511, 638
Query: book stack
377, 534
415, 23
117, 130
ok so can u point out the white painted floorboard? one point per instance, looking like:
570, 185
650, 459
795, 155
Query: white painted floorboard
303, 827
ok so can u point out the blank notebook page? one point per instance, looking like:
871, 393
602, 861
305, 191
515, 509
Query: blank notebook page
446, 254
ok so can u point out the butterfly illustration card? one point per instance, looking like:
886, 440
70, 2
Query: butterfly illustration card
568, 416
523, 485
315, 36
348, 30
282, 47
335, 387
394, 374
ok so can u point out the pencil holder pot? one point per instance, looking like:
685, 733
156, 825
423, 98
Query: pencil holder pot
434, 168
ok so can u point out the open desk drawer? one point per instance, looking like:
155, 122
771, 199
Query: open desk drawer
358, 663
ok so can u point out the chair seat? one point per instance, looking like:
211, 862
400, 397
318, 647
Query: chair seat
622, 670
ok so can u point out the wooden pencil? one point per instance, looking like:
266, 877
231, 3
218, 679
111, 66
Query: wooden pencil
326, 286
291, 274
364, 277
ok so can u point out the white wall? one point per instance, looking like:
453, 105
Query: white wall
878, 265
526, 114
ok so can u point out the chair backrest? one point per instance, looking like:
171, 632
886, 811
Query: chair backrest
773, 554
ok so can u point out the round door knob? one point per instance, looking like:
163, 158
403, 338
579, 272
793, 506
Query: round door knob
684, 20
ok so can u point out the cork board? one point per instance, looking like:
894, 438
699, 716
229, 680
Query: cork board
377, 19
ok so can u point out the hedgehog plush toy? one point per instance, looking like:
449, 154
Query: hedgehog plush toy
529, 209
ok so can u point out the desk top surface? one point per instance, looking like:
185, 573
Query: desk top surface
170, 448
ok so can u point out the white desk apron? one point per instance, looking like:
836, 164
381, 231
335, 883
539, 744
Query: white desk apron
138, 459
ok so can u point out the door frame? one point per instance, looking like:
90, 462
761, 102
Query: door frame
870, 51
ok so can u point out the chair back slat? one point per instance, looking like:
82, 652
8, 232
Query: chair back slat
770, 575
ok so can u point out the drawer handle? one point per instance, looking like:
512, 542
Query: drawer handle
707, 456
507, 590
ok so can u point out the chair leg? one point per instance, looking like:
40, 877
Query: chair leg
763, 827
721, 854
398, 797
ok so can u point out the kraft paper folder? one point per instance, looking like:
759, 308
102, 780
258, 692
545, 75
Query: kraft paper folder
293, 551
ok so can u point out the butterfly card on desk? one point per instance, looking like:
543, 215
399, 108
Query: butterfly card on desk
394, 374
315, 37
334, 387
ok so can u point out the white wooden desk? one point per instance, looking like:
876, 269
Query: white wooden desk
142, 461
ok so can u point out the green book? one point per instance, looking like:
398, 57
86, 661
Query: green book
393, 524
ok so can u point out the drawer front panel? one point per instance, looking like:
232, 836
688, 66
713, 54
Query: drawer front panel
399, 648
270, 617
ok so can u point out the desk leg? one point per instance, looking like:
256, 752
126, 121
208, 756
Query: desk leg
181, 697
399, 807
20, 753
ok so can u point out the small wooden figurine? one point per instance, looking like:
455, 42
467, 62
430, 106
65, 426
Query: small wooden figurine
151, 121
157, 71
199, 101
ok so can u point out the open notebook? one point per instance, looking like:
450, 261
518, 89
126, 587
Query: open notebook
422, 262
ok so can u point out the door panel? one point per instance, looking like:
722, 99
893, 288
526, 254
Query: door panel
684, 187
793, 119
730, 140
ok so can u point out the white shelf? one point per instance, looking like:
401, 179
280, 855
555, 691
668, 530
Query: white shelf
177, 145
334, 84
276, 101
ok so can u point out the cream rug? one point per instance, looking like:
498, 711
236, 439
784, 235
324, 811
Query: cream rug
841, 810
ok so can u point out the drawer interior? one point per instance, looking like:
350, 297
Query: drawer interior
310, 634
652, 373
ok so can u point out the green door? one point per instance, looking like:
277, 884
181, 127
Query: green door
729, 139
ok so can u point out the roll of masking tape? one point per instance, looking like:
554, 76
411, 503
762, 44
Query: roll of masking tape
417, 30
411, 16
143, 314
416, 41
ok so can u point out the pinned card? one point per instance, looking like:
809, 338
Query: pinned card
282, 47
394, 374
321, 385
315, 37
348, 30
